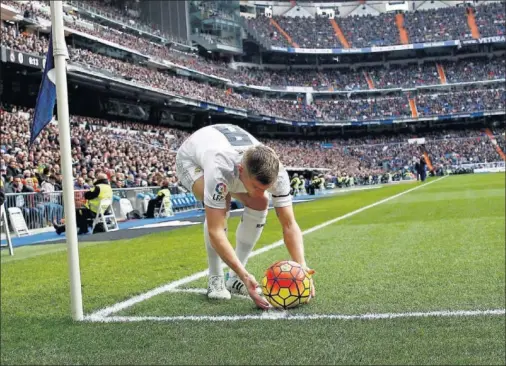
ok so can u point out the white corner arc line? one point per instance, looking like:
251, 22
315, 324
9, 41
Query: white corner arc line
185, 280
284, 315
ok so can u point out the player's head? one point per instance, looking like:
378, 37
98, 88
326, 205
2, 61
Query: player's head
259, 169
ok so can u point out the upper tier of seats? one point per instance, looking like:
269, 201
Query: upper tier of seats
380, 30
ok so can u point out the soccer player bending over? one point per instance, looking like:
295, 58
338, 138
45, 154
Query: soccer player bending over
217, 163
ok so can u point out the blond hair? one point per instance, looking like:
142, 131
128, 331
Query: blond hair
262, 163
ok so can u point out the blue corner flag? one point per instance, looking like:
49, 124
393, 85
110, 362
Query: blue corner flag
47, 97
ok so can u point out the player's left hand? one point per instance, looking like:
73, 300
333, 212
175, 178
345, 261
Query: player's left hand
310, 272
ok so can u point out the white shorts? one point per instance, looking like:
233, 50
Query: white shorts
186, 170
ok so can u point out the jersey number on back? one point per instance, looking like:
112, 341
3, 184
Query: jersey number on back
235, 136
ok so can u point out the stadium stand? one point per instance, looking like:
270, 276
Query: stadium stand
137, 155
430, 25
407, 76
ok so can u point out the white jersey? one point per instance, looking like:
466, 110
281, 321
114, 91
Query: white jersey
216, 151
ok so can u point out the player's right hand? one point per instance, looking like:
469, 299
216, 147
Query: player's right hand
252, 286
310, 272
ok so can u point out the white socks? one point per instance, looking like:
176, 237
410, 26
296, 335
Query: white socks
213, 259
248, 232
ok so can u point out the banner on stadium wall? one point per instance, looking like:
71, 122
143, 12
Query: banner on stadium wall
392, 48
311, 50
495, 39
379, 48
298, 89
302, 124
418, 141
24, 59
498, 169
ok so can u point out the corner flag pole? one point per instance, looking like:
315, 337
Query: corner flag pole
60, 55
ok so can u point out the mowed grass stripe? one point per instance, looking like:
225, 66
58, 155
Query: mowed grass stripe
47, 336
196, 276
38, 286
387, 259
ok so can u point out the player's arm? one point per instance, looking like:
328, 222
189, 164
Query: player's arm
282, 202
292, 237
291, 234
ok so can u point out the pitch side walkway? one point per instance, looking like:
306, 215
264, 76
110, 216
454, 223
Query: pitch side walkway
134, 228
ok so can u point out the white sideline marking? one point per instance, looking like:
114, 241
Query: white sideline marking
183, 281
166, 224
285, 315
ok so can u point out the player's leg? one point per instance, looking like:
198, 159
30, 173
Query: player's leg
248, 232
216, 280
192, 178
216, 283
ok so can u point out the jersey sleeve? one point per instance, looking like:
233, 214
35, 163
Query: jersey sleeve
281, 190
217, 179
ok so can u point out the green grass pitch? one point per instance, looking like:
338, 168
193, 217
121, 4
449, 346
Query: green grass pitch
437, 248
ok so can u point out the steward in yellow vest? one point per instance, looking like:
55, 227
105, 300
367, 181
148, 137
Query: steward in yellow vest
2, 193
163, 195
295, 185
101, 190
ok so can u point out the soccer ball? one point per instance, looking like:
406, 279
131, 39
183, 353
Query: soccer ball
286, 285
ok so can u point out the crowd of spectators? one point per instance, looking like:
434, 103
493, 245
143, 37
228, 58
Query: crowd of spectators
124, 15
181, 86
428, 25
341, 109
360, 30
394, 76
263, 28
443, 102
308, 32
326, 79
434, 25
404, 76
134, 155
491, 19
139, 155
124, 151
445, 149
136, 43
369, 30
469, 70
26, 42
102, 7
468, 101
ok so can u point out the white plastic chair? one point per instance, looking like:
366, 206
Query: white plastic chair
105, 212
165, 209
